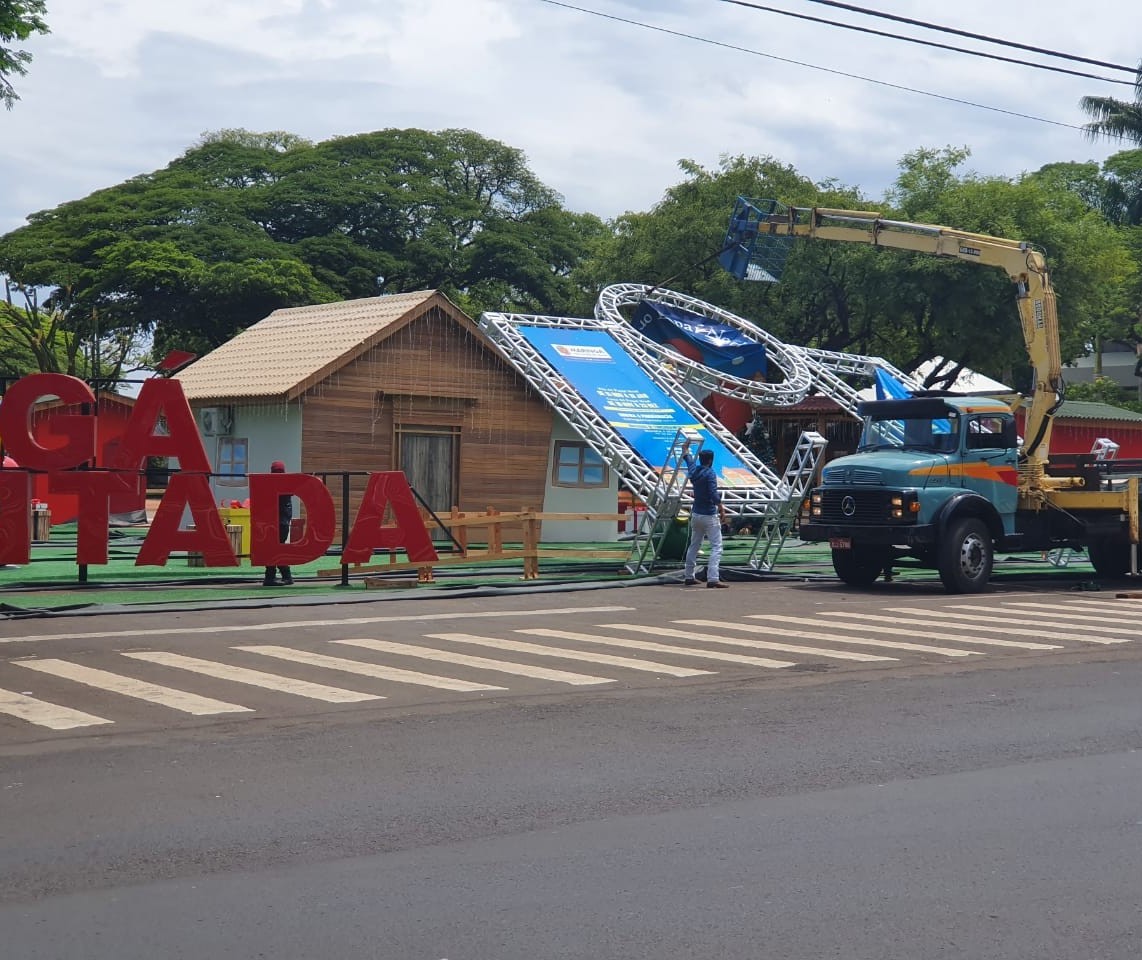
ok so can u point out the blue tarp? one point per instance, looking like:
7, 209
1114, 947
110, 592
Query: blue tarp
717, 345
889, 388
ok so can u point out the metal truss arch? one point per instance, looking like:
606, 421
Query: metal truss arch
798, 378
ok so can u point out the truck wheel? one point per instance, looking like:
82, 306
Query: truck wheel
966, 556
1110, 560
860, 566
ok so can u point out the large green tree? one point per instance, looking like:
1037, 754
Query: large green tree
19, 19
244, 223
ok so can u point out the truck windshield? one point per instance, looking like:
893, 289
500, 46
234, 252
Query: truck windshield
936, 434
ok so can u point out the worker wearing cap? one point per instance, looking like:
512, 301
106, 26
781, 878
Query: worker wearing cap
285, 515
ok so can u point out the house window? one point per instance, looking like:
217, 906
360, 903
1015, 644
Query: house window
577, 465
232, 460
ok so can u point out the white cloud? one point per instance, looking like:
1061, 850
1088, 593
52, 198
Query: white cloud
603, 109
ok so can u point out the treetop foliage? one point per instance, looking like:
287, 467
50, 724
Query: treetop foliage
19, 19
243, 223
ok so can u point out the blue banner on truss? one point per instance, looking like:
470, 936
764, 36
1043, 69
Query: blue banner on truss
717, 345
597, 367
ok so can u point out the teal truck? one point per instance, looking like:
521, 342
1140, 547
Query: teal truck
944, 479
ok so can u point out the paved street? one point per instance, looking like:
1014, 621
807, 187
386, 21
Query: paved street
776, 770
104, 676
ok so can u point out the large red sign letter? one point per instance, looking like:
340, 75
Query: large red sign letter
16, 422
140, 440
15, 523
409, 533
208, 537
320, 521
94, 489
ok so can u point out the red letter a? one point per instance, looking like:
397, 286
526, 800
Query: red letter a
208, 536
368, 534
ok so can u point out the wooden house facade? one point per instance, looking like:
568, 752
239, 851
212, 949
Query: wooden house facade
401, 382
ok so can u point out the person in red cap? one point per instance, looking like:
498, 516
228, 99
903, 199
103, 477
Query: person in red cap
285, 515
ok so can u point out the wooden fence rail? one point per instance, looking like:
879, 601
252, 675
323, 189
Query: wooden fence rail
493, 521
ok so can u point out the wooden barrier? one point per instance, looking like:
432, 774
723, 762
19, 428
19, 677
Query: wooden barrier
493, 521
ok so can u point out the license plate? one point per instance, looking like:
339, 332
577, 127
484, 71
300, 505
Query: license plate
841, 543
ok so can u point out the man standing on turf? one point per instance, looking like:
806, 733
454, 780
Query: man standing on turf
285, 515
706, 519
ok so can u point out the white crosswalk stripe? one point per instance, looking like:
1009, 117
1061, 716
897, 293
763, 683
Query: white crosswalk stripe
44, 714
1015, 624
838, 638
1124, 615
928, 632
179, 700
518, 646
480, 663
657, 647
1039, 624
274, 626
253, 678
368, 669
1125, 608
739, 642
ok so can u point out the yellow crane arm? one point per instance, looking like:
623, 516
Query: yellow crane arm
1025, 265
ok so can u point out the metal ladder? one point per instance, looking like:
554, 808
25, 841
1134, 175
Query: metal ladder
664, 503
799, 473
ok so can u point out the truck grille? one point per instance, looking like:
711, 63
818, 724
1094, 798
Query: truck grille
862, 475
865, 506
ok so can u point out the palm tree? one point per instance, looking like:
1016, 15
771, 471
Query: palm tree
1121, 119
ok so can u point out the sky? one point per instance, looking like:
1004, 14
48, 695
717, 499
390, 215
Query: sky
604, 110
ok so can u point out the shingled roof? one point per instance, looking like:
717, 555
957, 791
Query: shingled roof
289, 351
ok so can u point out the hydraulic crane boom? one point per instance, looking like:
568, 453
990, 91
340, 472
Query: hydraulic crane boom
757, 228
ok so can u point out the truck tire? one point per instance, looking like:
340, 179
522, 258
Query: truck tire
1110, 560
965, 556
860, 566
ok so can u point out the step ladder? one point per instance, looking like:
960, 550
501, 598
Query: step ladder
664, 503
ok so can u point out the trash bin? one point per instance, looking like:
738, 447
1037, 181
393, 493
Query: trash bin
677, 536
41, 523
239, 517
234, 532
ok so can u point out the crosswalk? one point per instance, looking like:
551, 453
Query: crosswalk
94, 689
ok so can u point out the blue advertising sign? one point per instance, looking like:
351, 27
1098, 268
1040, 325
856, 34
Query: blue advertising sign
596, 366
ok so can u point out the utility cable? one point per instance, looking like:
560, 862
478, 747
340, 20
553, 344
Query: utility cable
927, 43
811, 66
973, 36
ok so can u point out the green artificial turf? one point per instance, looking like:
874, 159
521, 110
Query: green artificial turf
51, 580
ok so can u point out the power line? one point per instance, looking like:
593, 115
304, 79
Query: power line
811, 66
928, 43
972, 36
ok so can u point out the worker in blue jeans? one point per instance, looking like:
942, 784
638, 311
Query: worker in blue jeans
706, 519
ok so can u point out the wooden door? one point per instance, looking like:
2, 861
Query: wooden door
428, 458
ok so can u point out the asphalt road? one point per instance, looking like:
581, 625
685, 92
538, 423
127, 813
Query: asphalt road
927, 805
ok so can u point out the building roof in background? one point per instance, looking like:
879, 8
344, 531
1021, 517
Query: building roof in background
289, 351
969, 381
1090, 410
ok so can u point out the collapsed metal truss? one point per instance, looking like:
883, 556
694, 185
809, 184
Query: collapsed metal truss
797, 382
776, 527
807, 369
661, 487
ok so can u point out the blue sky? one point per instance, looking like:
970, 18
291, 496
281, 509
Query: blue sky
603, 110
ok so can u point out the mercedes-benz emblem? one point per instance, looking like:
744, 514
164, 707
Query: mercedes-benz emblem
848, 506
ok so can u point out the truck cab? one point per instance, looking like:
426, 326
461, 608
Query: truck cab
935, 477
